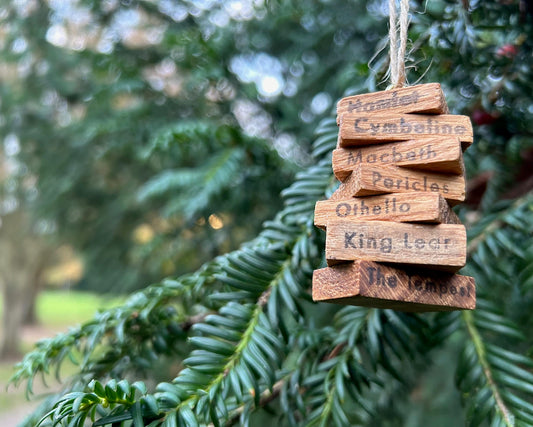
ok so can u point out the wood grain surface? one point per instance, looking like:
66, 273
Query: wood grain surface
372, 284
440, 247
366, 180
400, 207
437, 154
364, 129
424, 98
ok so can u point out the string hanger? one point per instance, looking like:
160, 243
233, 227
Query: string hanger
398, 26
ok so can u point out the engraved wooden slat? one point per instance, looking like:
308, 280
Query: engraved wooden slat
370, 284
441, 247
366, 180
438, 154
364, 129
401, 207
424, 98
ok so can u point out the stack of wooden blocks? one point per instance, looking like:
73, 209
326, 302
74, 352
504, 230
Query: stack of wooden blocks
392, 240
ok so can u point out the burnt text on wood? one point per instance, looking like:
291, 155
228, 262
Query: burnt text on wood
367, 180
364, 129
425, 98
401, 207
372, 284
437, 154
440, 247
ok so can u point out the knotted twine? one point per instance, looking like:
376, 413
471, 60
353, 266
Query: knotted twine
397, 49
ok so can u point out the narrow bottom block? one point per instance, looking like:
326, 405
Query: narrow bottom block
370, 284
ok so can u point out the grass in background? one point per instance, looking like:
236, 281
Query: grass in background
63, 308
57, 310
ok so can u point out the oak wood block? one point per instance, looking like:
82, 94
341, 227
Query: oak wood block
370, 284
424, 98
401, 207
441, 247
366, 180
364, 129
436, 154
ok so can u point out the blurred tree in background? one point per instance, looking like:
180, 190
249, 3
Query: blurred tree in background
155, 136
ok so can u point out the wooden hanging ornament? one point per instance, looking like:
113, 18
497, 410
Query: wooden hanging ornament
392, 240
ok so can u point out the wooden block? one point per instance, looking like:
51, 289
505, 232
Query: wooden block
364, 129
441, 247
401, 207
425, 98
366, 180
369, 284
436, 154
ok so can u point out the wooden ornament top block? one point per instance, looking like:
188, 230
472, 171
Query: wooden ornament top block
364, 129
401, 207
425, 98
366, 180
440, 247
369, 284
436, 154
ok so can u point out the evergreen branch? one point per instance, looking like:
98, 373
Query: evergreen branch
250, 352
359, 361
235, 357
487, 370
493, 222
267, 396
177, 398
494, 385
193, 320
125, 328
198, 185
168, 395
482, 237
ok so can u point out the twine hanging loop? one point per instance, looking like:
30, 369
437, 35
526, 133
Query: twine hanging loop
398, 27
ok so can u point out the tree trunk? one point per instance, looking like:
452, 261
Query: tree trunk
30, 313
12, 316
22, 260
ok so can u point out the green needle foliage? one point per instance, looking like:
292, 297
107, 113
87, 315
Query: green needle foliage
247, 344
